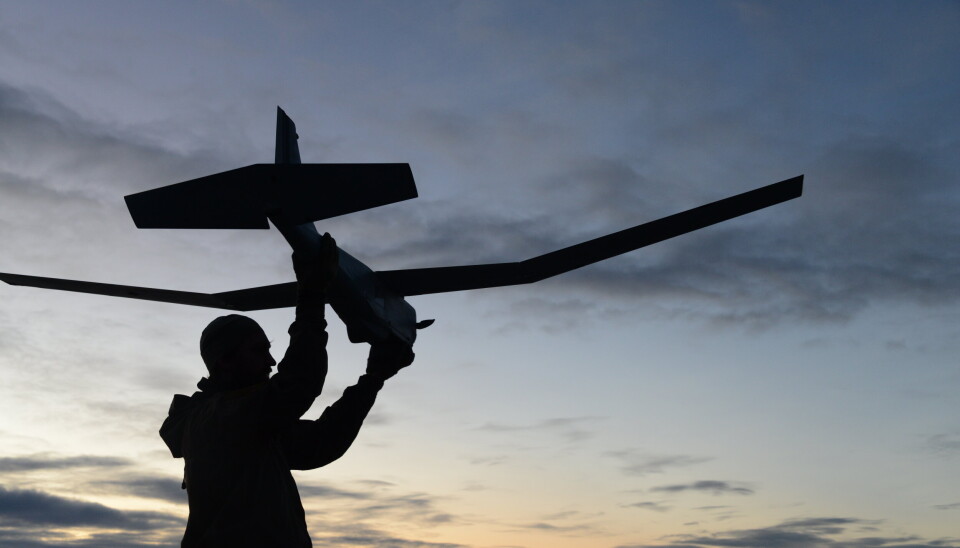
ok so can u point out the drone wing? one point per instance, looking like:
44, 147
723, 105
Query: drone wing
256, 298
421, 281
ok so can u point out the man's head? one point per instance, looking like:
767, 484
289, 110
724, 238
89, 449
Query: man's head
236, 351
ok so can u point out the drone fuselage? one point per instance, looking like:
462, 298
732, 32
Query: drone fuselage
370, 310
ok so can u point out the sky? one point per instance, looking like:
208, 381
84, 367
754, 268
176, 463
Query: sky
787, 379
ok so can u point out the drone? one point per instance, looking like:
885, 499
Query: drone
372, 304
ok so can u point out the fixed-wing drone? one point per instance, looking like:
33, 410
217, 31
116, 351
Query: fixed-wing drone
292, 196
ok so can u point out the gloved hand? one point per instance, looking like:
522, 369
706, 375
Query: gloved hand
386, 358
316, 272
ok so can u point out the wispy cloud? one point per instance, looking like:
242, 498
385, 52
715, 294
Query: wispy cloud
947, 444
418, 507
48, 461
330, 492
74, 182
648, 505
372, 541
30, 507
567, 427
89, 469
639, 463
851, 240
570, 528
544, 526
493, 460
803, 533
566, 514
713, 487
367, 505
549, 315
148, 487
354, 527
43, 538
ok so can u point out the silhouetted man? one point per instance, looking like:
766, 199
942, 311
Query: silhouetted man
241, 434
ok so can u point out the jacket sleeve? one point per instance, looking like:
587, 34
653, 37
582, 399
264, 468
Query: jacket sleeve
312, 444
303, 369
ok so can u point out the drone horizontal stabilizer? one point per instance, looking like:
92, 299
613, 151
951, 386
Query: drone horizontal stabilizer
291, 194
422, 281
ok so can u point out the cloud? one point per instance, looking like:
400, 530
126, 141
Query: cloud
566, 427
47, 461
153, 487
419, 507
550, 315
28, 511
637, 463
851, 240
494, 460
570, 523
945, 444
355, 533
376, 502
327, 491
952, 506
813, 259
150, 487
379, 541
583, 529
656, 546
41, 538
30, 507
543, 526
567, 514
803, 533
72, 148
87, 167
648, 505
709, 486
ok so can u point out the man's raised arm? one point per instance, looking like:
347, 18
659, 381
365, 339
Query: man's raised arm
301, 372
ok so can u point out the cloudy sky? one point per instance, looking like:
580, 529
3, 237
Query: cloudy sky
787, 379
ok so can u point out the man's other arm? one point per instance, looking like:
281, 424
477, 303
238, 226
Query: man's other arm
312, 444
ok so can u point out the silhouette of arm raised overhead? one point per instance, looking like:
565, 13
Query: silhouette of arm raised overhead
421, 281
